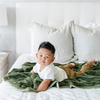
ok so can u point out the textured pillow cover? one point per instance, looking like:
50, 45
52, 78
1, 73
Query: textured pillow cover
86, 41
60, 38
92, 25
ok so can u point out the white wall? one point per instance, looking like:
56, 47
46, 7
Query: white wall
9, 32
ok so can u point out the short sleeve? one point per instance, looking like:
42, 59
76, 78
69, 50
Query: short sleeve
49, 74
35, 69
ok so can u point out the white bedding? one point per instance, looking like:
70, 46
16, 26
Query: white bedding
8, 92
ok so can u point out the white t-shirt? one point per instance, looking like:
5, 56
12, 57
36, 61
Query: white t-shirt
50, 72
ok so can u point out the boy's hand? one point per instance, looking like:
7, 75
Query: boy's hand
44, 85
32, 71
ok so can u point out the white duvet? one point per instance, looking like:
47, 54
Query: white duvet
8, 92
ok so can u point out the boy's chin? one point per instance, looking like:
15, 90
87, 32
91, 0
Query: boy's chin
42, 63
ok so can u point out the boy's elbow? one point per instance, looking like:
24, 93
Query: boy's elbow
43, 89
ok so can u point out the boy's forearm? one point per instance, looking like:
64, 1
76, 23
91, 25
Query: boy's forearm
44, 85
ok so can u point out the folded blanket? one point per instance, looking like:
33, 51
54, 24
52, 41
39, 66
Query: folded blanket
28, 82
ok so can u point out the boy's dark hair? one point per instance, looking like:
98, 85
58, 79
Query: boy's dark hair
47, 45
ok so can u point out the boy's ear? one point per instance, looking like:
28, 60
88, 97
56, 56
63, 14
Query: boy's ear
36, 55
53, 59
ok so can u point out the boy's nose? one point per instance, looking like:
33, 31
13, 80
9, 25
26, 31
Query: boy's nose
43, 57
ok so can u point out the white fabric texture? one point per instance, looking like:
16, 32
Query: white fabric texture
86, 42
92, 25
60, 38
30, 32
50, 72
8, 92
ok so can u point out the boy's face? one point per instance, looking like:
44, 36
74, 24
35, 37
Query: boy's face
44, 57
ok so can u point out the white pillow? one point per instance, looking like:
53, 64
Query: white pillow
86, 42
92, 25
60, 38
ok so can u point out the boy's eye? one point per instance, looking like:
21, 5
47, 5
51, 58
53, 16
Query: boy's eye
40, 55
47, 57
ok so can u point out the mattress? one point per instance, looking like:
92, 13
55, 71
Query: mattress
8, 92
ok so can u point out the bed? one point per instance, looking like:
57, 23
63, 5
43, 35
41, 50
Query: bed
44, 19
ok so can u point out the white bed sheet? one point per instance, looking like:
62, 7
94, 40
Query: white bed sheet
8, 92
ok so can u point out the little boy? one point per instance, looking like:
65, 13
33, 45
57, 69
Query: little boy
48, 72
